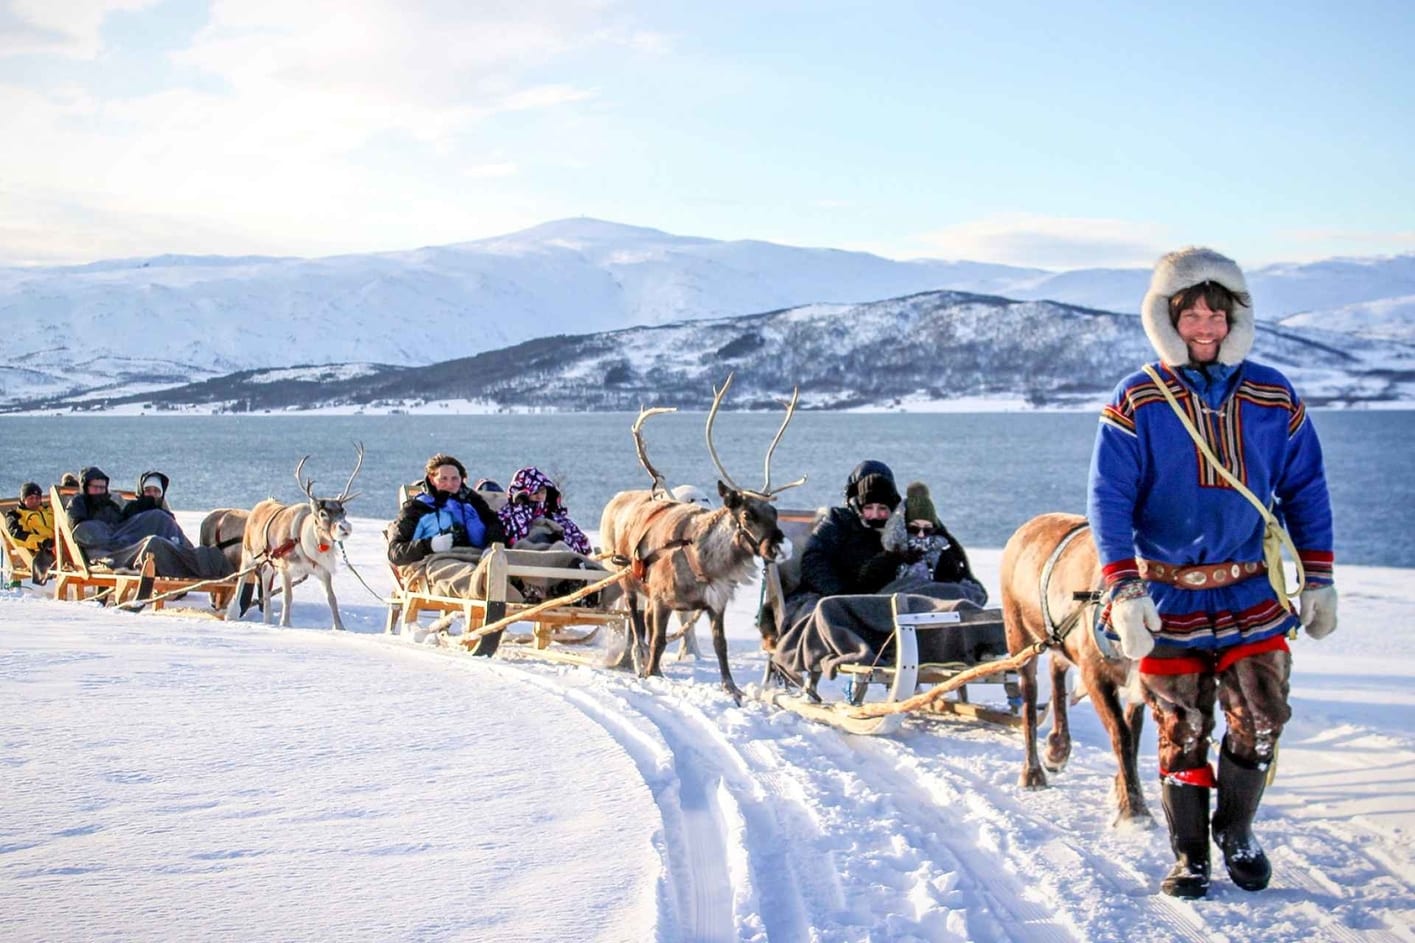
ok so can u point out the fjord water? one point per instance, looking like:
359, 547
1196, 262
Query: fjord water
988, 472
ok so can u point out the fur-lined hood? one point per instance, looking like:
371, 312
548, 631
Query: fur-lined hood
1175, 272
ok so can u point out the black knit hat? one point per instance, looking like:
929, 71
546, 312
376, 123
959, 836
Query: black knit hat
29, 488
90, 474
876, 489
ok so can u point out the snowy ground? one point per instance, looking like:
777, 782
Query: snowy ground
170, 777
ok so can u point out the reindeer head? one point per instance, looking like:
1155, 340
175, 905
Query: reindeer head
752, 510
755, 518
331, 520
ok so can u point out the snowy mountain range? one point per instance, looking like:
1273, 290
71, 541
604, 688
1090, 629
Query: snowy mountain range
915, 352
120, 327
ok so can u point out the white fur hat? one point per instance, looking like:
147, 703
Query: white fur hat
1179, 270
691, 494
152, 481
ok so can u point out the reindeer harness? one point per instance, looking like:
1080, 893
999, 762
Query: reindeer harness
1056, 633
639, 565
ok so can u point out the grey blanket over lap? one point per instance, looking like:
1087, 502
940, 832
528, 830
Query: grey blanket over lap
831, 631
461, 573
172, 560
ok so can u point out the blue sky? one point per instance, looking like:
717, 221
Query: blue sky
1059, 135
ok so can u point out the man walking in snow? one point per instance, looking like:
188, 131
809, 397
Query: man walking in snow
1183, 553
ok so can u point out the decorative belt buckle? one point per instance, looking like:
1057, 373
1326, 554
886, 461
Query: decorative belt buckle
1195, 577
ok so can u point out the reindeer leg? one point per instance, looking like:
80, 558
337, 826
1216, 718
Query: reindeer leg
719, 645
1059, 740
689, 646
1118, 720
286, 600
658, 616
638, 643
327, 579
267, 590
1033, 776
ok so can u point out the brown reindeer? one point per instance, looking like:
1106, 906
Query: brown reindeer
225, 529
299, 540
1047, 563
687, 557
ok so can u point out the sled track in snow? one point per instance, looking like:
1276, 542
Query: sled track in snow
796, 831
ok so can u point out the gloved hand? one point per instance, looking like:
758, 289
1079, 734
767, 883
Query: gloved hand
1135, 619
1318, 610
441, 543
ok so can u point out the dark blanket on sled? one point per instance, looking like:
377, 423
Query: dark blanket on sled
848, 630
171, 560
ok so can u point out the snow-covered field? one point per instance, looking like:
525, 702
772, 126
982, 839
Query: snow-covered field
168, 777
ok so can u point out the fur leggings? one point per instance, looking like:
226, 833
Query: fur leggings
1252, 692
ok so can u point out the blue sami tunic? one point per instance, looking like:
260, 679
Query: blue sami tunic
1153, 495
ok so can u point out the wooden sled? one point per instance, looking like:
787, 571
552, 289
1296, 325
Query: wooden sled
556, 630
76, 578
900, 675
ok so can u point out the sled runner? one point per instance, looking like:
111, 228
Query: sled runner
558, 626
950, 644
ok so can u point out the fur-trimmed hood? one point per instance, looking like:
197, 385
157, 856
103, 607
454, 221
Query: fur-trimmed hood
1177, 271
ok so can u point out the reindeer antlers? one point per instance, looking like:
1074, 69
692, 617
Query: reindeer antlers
660, 484
790, 411
767, 490
308, 485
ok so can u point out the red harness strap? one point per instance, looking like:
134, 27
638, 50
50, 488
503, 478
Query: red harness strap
283, 549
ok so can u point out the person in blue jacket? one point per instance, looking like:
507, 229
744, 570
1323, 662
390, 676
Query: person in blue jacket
445, 516
1182, 554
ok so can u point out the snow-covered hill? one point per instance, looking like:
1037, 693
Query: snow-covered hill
919, 352
161, 320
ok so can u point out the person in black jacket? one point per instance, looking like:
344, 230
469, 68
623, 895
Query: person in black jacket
104, 528
841, 611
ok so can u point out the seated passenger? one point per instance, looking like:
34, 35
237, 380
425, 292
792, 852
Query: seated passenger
104, 529
930, 553
842, 610
445, 516
31, 524
531, 497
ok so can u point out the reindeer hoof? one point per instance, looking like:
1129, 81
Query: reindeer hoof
1032, 779
733, 690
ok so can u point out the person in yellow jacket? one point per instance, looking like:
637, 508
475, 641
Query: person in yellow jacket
31, 524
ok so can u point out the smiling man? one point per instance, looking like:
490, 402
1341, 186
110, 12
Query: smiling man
1182, 547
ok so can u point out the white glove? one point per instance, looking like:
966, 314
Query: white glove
441, 543
1318, 611
1135, 620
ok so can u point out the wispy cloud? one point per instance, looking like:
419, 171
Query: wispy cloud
290, 104
1048, 241
61, 27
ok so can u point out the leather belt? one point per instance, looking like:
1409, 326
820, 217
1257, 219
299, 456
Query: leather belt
1200, 576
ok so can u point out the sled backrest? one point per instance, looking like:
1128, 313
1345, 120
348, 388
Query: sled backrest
18, 561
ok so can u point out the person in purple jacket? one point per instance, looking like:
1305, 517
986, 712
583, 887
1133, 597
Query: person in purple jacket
1182, 554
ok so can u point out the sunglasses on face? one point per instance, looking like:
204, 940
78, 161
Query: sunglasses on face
920, 531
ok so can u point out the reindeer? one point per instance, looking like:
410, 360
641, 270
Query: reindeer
225, 529
299, 541
1047, 563
687, 557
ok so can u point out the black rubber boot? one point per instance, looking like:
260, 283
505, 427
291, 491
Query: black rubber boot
1240, 789
1186, 808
